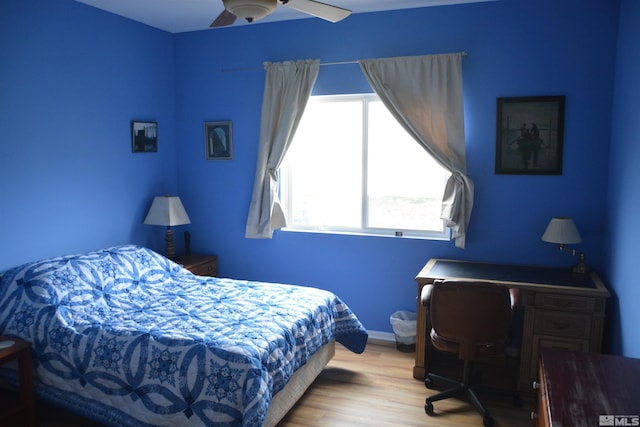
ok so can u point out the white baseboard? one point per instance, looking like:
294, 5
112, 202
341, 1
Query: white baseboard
382, 336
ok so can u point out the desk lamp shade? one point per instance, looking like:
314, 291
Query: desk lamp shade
168, 211
562, 230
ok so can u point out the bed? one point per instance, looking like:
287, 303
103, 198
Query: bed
126, 337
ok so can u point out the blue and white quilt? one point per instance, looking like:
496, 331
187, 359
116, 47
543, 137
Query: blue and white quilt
129, 338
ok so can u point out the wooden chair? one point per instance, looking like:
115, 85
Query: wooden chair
467, 318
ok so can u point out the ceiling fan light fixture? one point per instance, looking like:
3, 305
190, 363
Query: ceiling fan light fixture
251, 10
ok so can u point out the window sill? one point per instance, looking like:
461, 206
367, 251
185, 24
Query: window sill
405, 235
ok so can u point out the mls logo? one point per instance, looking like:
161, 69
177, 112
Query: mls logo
619, 420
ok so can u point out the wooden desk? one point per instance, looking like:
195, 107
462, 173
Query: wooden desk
561, 310
578, 388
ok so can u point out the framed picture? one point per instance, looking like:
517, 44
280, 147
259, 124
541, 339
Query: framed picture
529, 135
218, 140
144, 137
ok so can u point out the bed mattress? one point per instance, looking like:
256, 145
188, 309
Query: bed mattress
129, 338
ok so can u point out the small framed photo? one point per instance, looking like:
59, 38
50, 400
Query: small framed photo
218, 140
144, 137
529, 135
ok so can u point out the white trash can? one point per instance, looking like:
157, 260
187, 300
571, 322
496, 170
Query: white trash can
403, 323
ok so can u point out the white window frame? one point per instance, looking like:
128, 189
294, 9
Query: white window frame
286, 177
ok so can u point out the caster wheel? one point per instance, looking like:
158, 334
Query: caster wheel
428, 408
487, 421
428, 382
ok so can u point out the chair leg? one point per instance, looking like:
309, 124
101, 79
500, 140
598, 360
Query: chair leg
459, 389
456, 391
428, 381
476, 402
456, 387
452, 392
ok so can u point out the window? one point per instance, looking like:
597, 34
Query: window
351, 168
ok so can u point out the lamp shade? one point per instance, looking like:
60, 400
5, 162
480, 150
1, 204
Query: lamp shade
562, 230
250, 10
167, 210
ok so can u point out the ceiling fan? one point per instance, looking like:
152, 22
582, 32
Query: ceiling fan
252, 10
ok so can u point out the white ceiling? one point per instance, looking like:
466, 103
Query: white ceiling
178, 16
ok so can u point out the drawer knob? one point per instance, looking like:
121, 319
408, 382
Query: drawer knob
536, 385
534, 415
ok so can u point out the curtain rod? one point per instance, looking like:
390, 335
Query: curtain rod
322, 64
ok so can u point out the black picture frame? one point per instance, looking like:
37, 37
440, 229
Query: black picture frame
144, 137
529, 135
218, 140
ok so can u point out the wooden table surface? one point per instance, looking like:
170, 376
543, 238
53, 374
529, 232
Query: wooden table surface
20, 351
583, 386
10, 352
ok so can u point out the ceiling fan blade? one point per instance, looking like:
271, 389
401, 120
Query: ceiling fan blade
224, 19
320, 10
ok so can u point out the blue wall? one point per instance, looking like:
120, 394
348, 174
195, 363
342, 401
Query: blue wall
73, 77
624, 200
516, 48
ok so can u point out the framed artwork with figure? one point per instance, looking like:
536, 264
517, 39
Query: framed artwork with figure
529, 135
218, 140
144, 137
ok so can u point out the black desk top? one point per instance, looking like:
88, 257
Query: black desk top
510, 273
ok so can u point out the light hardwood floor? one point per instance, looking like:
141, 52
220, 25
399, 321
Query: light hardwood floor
373, 389
377, 388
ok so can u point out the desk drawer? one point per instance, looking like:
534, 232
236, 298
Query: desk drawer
565, 302
562, 325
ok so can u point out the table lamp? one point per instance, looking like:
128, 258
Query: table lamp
563, 231
167, 210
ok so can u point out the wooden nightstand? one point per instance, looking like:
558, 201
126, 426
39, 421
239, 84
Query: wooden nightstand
202, 265
25, 406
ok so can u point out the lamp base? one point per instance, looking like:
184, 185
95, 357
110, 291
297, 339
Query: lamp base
580, 267
171, 249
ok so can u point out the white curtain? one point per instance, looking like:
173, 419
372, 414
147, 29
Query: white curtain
424, 93
287, 89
